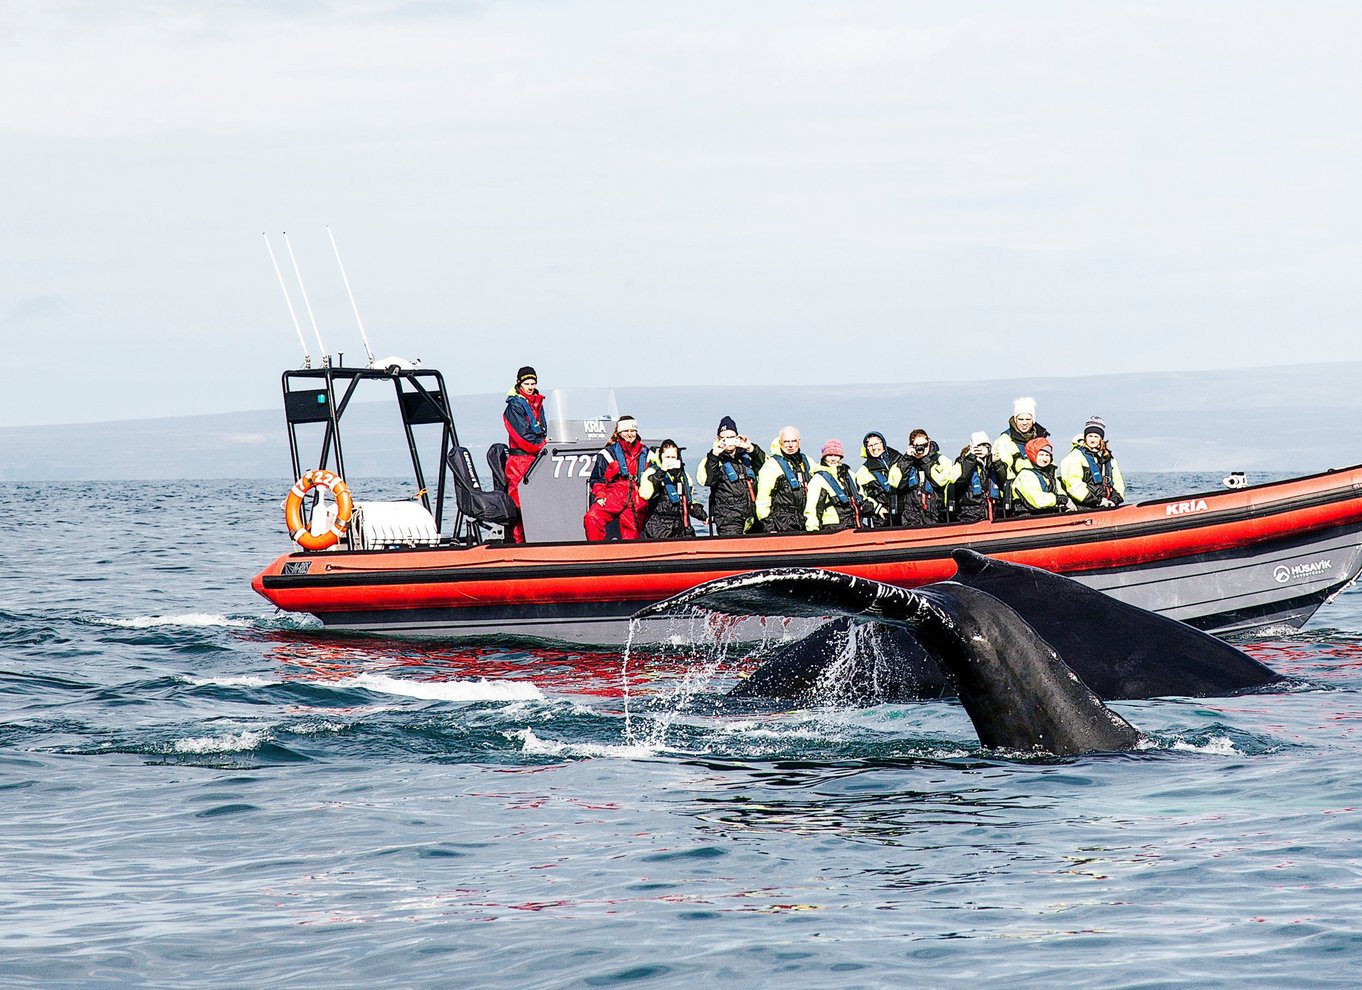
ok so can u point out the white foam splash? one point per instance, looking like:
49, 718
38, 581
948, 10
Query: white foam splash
1280, 631
246, 681
191, 619
315, 728
531, 743
479, 690
1215, 746
238, 743
806, 729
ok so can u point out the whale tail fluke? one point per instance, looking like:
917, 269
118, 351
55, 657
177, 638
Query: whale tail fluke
1031, 654
1016, 689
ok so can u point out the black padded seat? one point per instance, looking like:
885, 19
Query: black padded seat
473, 500
496, 460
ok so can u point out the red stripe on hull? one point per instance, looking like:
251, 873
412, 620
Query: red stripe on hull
454, 578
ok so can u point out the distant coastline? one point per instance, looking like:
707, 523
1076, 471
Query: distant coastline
1296, 418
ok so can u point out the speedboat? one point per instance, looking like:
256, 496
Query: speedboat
1222, 561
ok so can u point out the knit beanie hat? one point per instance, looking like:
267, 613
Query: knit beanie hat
833, 447
526, 372
1024, 404
979, 438
1034, 447
1096, 425
626, 423
726, 424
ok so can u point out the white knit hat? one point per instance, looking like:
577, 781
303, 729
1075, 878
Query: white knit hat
1025, 404
979, 437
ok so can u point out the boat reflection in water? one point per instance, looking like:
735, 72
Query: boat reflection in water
560, 670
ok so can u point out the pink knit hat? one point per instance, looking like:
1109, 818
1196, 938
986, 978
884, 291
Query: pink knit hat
833, 447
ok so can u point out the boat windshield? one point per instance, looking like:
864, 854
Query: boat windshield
581, 415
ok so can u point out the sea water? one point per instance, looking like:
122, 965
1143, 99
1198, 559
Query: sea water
199, 790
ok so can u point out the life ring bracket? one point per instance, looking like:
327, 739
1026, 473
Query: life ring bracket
298, 530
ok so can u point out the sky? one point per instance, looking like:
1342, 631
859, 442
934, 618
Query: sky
687, 194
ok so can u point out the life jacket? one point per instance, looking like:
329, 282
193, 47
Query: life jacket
616, 454
1049, 481
731, 472
732, 478
873, 478
976, 486
791, 476
1099, 470
847, 499
526, 426
677, 494
1016, 459
879, 471
920, 478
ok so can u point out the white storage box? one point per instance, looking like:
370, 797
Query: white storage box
377, 525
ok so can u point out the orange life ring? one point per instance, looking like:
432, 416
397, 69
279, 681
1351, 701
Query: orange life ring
293, 509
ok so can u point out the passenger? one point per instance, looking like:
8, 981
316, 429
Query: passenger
1090, 472
526, 433
1021, 428
665, 495
835, 501
981, 489
730, 471
880, 477
927, 474
1037, 488
614, 482
783, 485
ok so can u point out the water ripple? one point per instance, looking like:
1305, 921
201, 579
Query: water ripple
201, 791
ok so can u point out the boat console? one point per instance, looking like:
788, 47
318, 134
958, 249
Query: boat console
553, 493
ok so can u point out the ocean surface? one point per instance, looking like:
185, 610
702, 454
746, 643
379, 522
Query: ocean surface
199, 791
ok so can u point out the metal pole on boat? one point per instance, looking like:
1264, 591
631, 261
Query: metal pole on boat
344, 278
307, 358
326, 358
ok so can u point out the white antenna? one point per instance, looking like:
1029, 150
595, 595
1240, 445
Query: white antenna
344, 278
307, 358
326, 359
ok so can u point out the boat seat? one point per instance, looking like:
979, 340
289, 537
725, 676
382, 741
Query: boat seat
475, 502
496, 460
377, 525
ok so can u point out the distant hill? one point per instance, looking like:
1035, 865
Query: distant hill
1296, 418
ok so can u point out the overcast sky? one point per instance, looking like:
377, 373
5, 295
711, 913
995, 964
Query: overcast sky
688, 193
